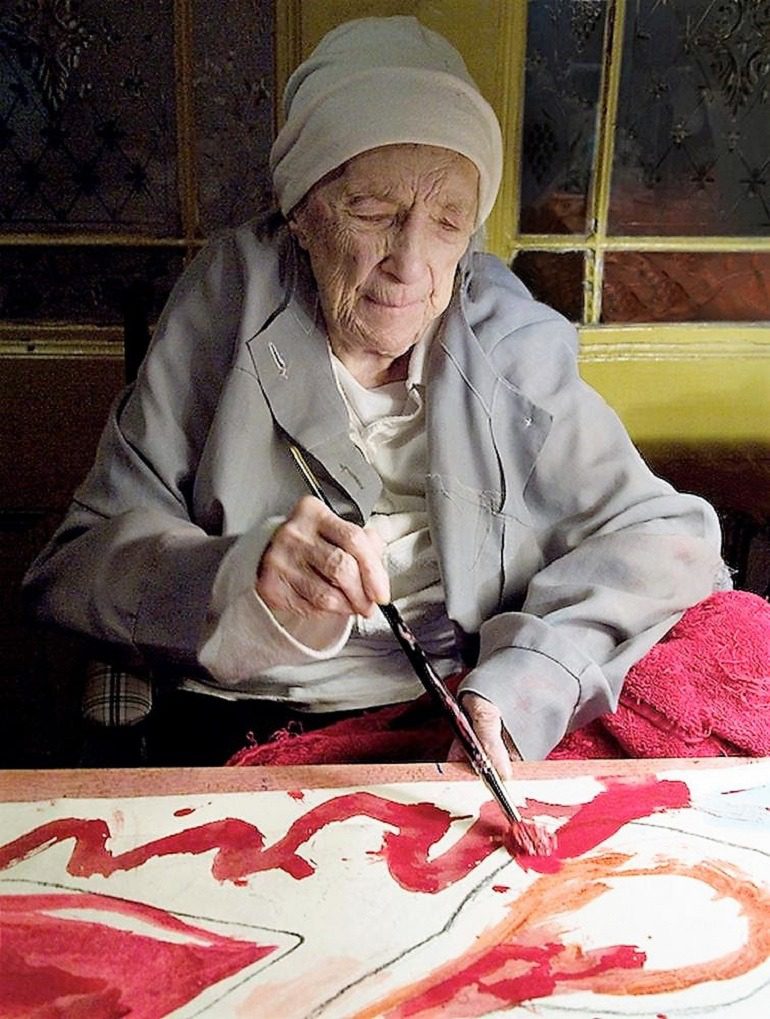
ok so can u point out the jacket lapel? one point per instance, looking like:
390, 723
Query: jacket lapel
291, 359
484, 437
475, 444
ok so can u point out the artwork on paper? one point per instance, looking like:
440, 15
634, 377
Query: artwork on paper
393, 901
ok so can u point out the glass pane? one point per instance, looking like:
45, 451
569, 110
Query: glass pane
87, 137
563, 70
83, 285
555, 279
685, 287
693, 135
233, 110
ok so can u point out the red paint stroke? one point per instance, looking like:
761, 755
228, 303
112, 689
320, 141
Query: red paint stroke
527, 955
501, 888
297, 794
91, 968
512, 974
240, 850
604, 815
184, 811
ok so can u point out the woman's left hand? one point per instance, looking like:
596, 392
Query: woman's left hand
488, 725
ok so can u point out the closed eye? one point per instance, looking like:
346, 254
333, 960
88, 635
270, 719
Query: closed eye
374, 217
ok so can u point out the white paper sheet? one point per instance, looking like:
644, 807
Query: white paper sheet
394, 901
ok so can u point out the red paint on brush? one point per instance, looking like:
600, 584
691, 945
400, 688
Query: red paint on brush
56, 965
240, 850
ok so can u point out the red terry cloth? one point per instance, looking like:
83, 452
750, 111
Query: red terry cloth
702, 691
396, 734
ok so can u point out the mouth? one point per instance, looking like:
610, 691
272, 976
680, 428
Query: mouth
394, 303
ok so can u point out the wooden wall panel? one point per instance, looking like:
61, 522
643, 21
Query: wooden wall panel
51, 415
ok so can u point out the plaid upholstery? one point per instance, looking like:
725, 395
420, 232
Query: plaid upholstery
114, 697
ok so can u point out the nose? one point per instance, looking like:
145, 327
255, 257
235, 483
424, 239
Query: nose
407, 257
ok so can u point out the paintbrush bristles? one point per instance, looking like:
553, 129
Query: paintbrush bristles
527, 835
530, 838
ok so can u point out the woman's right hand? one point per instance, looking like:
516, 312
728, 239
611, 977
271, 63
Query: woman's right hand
319, 566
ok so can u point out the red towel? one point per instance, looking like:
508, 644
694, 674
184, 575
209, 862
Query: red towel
703, 691
399, 733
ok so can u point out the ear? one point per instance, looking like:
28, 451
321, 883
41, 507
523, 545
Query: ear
297, 231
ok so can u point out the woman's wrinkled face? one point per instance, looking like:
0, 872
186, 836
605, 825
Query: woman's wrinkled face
384, 235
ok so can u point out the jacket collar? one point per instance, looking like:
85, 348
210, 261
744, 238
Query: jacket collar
291, 357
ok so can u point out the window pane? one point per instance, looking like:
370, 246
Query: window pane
693, 136
87, 137
82, 285
685, 287
555, 279
233, 110
564, 49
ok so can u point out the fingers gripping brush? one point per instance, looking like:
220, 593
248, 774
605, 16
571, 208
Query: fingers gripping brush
527, 837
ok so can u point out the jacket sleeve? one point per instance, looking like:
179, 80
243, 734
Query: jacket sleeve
241, 637
128, 566
622, 556
134, 565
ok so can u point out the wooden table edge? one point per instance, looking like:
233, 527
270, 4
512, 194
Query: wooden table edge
40, 784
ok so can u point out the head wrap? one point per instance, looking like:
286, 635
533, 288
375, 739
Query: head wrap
382, 81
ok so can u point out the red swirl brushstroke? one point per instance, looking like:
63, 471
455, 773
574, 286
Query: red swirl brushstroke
240, 849
87, 966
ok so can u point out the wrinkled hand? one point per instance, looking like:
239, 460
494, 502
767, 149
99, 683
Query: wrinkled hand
320, 566
488, 725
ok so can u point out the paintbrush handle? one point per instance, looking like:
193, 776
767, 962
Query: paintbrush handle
429, 678
459, 721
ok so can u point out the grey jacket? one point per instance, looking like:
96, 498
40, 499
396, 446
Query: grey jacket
563, 558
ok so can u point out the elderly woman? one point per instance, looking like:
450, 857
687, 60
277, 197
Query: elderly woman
475, 480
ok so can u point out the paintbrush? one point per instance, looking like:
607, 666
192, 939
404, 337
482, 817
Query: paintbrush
525, 834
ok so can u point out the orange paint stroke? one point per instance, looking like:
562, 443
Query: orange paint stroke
524, 957
729, 883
